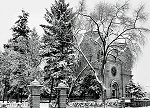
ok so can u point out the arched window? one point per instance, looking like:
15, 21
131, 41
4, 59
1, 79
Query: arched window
114, 90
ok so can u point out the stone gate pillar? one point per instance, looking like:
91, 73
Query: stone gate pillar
35, 94
62, 95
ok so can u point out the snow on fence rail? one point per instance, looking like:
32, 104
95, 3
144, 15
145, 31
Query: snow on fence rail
15, 105
88, 104
140, 103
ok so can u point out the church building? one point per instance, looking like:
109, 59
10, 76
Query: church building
117, 72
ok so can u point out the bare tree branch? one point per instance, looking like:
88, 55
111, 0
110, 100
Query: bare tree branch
98, 30
129, 29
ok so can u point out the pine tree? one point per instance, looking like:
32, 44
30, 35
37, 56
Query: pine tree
58, 36
22, 52
21, 31
56, 43
134, 90
21, 28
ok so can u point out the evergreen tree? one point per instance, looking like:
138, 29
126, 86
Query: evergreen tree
58, 36
89, 86
21, 31
21, 28
22, 53
134, 90
56, 43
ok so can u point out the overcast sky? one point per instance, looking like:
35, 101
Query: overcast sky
10, 9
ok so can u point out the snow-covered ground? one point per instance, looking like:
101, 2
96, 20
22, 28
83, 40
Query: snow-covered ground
46, 105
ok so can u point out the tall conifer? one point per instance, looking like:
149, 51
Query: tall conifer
58, 36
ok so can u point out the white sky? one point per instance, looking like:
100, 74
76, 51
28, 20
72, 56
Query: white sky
10, 9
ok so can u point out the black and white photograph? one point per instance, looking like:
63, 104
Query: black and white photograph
74, 54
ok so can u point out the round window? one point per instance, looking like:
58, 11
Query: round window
114, 71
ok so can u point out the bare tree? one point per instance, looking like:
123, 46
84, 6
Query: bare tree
80, 26
113, 24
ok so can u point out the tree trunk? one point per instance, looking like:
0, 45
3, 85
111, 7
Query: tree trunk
17, 97
102, 70
103, 80
4, 96
4, 92
21, 94
71, 90
50, 98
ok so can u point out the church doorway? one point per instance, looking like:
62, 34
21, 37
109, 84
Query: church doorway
114, 90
